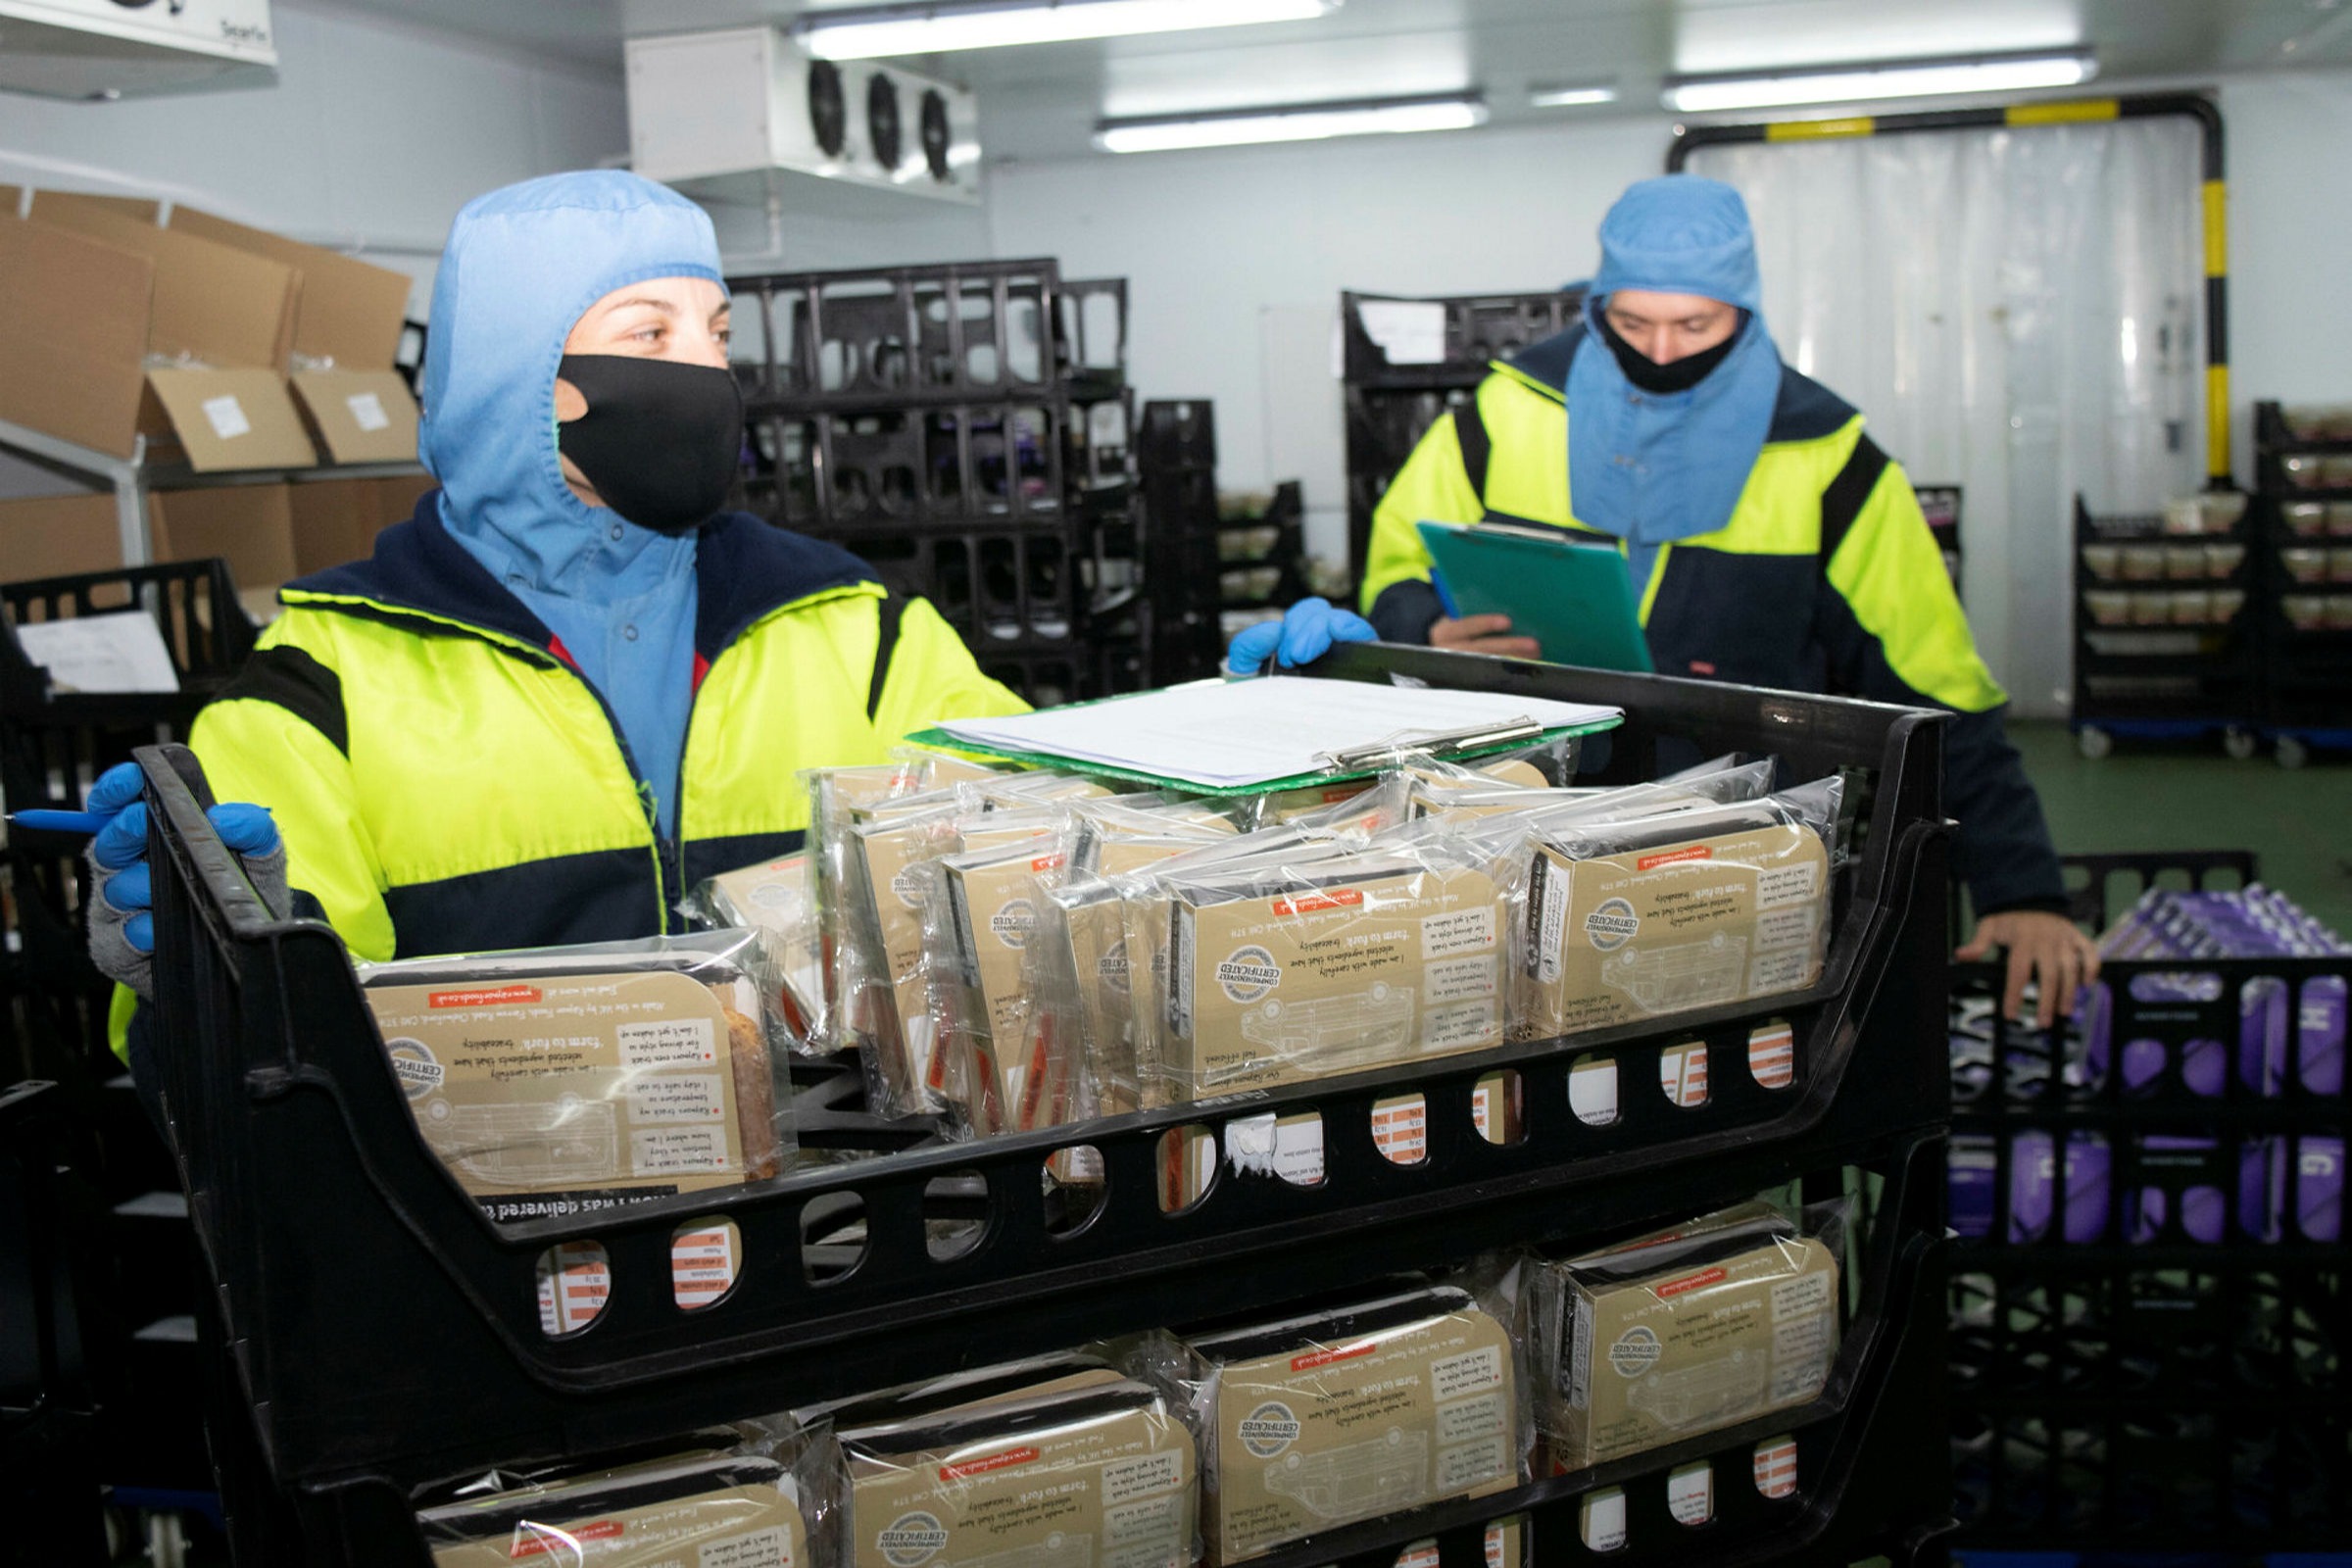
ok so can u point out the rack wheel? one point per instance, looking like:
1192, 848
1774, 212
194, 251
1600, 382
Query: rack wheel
2292, 752
2238, 743
2093, 742
166, 1541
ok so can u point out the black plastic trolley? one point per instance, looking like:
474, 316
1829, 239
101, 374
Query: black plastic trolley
384, 1334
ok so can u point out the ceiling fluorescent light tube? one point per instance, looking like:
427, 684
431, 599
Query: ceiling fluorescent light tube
869, 32
1866, 81
1590, 92
1239, 127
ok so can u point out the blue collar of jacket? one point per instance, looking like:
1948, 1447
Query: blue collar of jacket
1804, 410
745, 570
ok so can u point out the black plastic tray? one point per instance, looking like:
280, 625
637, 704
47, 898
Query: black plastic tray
387, 1334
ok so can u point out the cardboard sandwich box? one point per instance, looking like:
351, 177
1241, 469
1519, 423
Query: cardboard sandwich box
219, 324
733, 1510
1733, 907
1372, 1406
1682, 1333
1061, 1466
1359, 963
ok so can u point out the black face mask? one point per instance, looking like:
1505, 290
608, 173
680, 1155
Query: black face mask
659, 440
1681, 375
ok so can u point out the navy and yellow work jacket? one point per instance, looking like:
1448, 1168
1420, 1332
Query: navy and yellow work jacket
447, 781
1824, 579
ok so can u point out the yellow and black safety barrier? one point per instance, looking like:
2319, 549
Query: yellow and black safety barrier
2065, 112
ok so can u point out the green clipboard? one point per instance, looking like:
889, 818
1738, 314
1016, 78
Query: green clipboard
1573, 599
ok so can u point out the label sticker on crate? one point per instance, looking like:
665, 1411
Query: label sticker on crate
1400, 1129
702, 1264
1682, 1073
1771, 1054
575, 1280
1776, 1467
1691, 1493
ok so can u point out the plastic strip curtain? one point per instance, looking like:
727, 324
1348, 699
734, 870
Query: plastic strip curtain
2019, 312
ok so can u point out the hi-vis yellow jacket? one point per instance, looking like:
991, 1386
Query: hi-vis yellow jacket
1824, 578
447, 781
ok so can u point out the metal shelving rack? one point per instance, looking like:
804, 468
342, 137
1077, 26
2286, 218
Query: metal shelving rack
132, 479
2164, 640
335, 1241
2303, 533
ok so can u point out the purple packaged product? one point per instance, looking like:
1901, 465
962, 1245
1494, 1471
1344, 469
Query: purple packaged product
2032, 1183
2086, 1179
2094, 1017
2319, 1187
1971, 1166
2262, 1189
2262, 1031
2320, 1052
2204, 1209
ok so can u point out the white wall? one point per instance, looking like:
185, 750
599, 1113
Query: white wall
2290, 242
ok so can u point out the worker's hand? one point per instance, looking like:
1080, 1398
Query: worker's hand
1481, 634
2044, 946
121, 921
1304, 634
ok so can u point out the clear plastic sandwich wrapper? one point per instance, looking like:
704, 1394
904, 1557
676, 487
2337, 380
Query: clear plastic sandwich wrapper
742, 1509
559, 1080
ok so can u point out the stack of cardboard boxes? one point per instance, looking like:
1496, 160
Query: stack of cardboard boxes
229, 349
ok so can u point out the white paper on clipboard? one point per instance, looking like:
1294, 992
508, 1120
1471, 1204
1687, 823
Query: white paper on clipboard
121, 651
1231, 734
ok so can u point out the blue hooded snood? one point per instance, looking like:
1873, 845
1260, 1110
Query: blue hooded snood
523, 266
1652, 468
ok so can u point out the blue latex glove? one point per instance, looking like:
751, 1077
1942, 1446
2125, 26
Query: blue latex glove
1304, 634
121, 924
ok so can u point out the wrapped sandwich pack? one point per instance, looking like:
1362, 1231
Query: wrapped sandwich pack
705, 1508
1681, 1332
1347, 1411
1060, 1462
777, 900
560, 1080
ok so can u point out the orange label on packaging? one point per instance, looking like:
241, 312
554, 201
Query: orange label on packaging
550, 1539
1308, 903
1691, 1281
1007, 1460
1048, 863
494, 996
1348, 1353
1692, 851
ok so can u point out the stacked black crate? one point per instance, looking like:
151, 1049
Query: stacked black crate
1405, 361
2303, 533
929, 419
1178, 452
1261, 556
1106, 492
2164, 633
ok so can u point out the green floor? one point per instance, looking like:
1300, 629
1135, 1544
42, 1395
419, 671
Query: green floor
2192, 797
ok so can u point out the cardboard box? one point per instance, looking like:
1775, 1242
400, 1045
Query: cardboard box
1667, 1340
735, 1510
59, 536
231, 312
1335, 1416
79, 372
1361, 962
555, 1084
1676, 920
1084, 1471
251, 526
346, 336
336, 521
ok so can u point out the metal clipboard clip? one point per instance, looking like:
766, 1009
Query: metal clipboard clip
1430, 743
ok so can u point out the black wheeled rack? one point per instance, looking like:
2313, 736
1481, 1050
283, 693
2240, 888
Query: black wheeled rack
2164, 644
385, 1333
2149, 1316
2303, 530
967, 429
1177, 456
1395, 390
53, 1001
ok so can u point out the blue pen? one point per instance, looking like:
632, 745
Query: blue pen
44, 821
